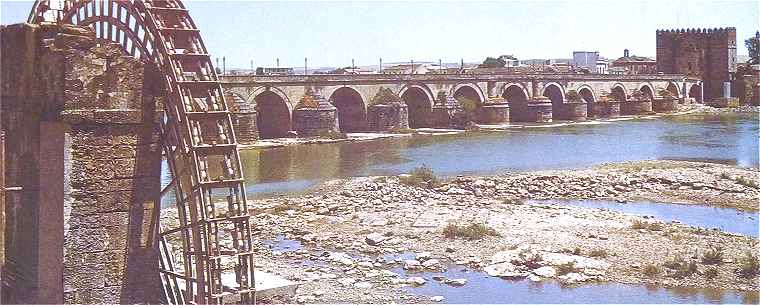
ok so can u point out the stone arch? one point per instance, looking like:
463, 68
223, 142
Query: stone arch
647, 91
517, 98
556, 94
274, 114
419, 101
352, 111
238, 103
558, 86
673, 88
471, 91
618, 92
518, 85
588, 96
695, 91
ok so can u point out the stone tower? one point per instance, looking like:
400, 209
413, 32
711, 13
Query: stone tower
709, 54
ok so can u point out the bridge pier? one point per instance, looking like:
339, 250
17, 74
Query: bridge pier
494, 111
315, 116
387, 117
606, 108
664, 105
539, 110
448, 113
635, 107
571, 111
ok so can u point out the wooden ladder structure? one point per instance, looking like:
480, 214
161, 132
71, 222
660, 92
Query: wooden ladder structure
198, 142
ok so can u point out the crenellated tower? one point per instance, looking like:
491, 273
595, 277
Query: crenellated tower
709, 54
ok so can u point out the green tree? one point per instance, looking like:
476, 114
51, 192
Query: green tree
753, 45
491, 62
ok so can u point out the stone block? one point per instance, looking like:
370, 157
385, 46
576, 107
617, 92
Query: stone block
606, 109
496, 113
723, 102
664, 105
571, 111
388, 117
635, 107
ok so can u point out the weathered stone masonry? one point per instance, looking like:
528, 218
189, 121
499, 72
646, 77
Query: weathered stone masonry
82, 142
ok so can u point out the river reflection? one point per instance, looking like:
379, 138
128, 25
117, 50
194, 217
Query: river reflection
724, 138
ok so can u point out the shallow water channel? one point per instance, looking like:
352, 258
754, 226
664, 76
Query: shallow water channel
482, 288
703, 216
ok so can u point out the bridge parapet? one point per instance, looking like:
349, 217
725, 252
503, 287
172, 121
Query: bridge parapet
233, 80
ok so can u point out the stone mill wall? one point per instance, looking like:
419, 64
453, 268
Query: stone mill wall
79, 118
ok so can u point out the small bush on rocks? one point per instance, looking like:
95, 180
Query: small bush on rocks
748, 182
682, 268
566, 268
655, 226
711, 273
651, 270
598, 253
470, 232
713, 256
422, 176
749, 265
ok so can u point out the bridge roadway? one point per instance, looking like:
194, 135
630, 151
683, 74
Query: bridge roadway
274, 97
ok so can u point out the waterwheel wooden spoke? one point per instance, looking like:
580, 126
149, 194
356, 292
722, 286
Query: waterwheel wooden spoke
198, 141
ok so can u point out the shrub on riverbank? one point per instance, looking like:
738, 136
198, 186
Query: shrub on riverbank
653, 226
566, 268
422, 176
598, 253
681, 267
651, 270
713, 256
711, 273
749, 266
471, 232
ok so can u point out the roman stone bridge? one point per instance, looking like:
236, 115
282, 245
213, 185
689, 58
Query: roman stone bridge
500, 98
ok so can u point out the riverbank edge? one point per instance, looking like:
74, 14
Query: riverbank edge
371, 136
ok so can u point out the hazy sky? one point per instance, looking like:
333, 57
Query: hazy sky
332, 33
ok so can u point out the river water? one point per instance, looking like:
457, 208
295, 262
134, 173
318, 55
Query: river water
724, 138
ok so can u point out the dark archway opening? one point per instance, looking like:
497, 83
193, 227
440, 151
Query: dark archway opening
588, 97
618, 94
696, 92
467, 93
673, 90
352, 115
419, 107
273, 117
647, 93
518, 102
554, 93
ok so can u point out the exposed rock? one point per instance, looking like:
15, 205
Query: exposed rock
347, 281
572, 278
455, 282
505, 270
363, 285
416, 281
412, 265
375, 239
432, 264
545, 271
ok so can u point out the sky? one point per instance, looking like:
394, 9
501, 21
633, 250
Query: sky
331, 34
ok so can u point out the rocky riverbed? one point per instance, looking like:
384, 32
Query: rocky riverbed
363, 239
